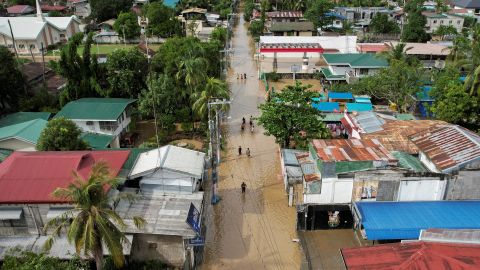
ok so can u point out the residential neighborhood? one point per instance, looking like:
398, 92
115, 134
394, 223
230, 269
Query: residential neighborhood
234, 134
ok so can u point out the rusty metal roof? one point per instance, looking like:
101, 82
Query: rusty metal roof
449, 147
413, 255
351, 150
309, 169
285, 14
394, 136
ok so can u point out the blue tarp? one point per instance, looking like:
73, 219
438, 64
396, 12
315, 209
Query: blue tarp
404, 220
170, 3
359, 107
363, 100
340, 95
463, 78
327, 106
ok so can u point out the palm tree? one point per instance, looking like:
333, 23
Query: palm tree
92, 223
472, 82
396, 52
192, 70
214, 88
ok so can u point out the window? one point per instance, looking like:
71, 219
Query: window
363, 71
434, 21
62, 35
450, 22
89, 123
441, 21
108, 125
32, 46
458, 22
12, 217
21, 46
10, 46
152, 245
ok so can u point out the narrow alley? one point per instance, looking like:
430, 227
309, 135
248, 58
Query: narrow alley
252, 230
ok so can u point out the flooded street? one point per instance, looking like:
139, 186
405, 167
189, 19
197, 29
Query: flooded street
252, 230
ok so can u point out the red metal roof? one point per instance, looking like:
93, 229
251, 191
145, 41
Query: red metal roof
448, 146
413, 256
31, 177
352, 150
19, 9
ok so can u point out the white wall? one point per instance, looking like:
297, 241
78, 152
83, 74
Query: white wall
336, 70
423, 190
429, 164
95, 128
17, 145
435, 23
333, 191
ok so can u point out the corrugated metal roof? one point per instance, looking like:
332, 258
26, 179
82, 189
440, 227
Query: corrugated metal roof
405, 116
368, 122
359, 107
20, 9
95, 108
342, 44
31, 177
327, 106
290, 46
163, 215
21, 117
413, 255
172, 158
289, 156
309, 168
451, 236
394, 135
331, 117
23, 27
404, 220
408, 161
449, 147
97, 141
371, 47
355, 60
351, 150
291, 26
285, 14
27, 131
340, 95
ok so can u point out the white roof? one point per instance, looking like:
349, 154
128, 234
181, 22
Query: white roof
22, 27
171, 158
344, 44
60, 22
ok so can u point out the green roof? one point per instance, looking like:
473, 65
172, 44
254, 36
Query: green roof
95, 108
291, 26
405, 116
97, 141
331, 117
4, 153
408, 161
355, 60
26, 131
329, 75
20, 117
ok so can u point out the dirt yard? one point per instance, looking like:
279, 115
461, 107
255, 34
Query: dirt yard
279, 85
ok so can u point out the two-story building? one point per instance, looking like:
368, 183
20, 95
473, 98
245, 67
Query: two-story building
435, 20
360, 15
107, 116
350, 67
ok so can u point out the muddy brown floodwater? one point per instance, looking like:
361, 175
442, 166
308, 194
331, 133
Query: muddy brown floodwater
253, 230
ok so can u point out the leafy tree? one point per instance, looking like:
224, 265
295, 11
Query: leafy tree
414, 30
220, 34
61, 134
381, 24
192, 71
55, 13
92, 223
316, 11
162, 21
256, 28
103, 10
127, 24
397, 52
455, 105
127, 71
160, 95
248, 9
11, 81
79, 71
289, 115
214, 88
446, 30
26, 260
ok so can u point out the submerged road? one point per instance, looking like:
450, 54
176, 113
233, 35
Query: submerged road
252, 230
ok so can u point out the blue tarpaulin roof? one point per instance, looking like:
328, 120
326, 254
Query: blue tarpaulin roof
424, 94
404, 220
326, 106
359, 107
340, 95
362, 100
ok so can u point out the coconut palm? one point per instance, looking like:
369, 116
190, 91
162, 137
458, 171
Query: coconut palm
91, 224
193, 71
214, 88
472, 82
396, 52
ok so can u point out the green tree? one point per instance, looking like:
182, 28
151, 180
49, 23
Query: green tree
455, 105
214, 88
61, 134
397, 52
55, 13
160, 95
192, 72
256, 29
316, 11
220, 34
248, 9
92, 223
103, 10
381, 24
445, 30
26, 260
414, 30
289, 116
162, 21
127, 71
79, 71
11, 81
127, 24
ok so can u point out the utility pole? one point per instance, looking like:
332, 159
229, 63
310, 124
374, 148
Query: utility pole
43, 64
13, 39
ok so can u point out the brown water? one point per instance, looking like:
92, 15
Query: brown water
253, 230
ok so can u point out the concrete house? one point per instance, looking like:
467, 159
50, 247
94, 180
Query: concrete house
435, 20
20, 131
169, 169
26, 204
473, 6
292, 29
107, 116
31, 32
360, 15
19, 10
81, 8
350, 67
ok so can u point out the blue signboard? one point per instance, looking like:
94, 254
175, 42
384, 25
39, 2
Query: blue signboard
193, 218
196, 242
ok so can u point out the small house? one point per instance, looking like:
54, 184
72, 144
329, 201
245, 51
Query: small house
19, 10
107, 116
350, 67
292, 29
20, 131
